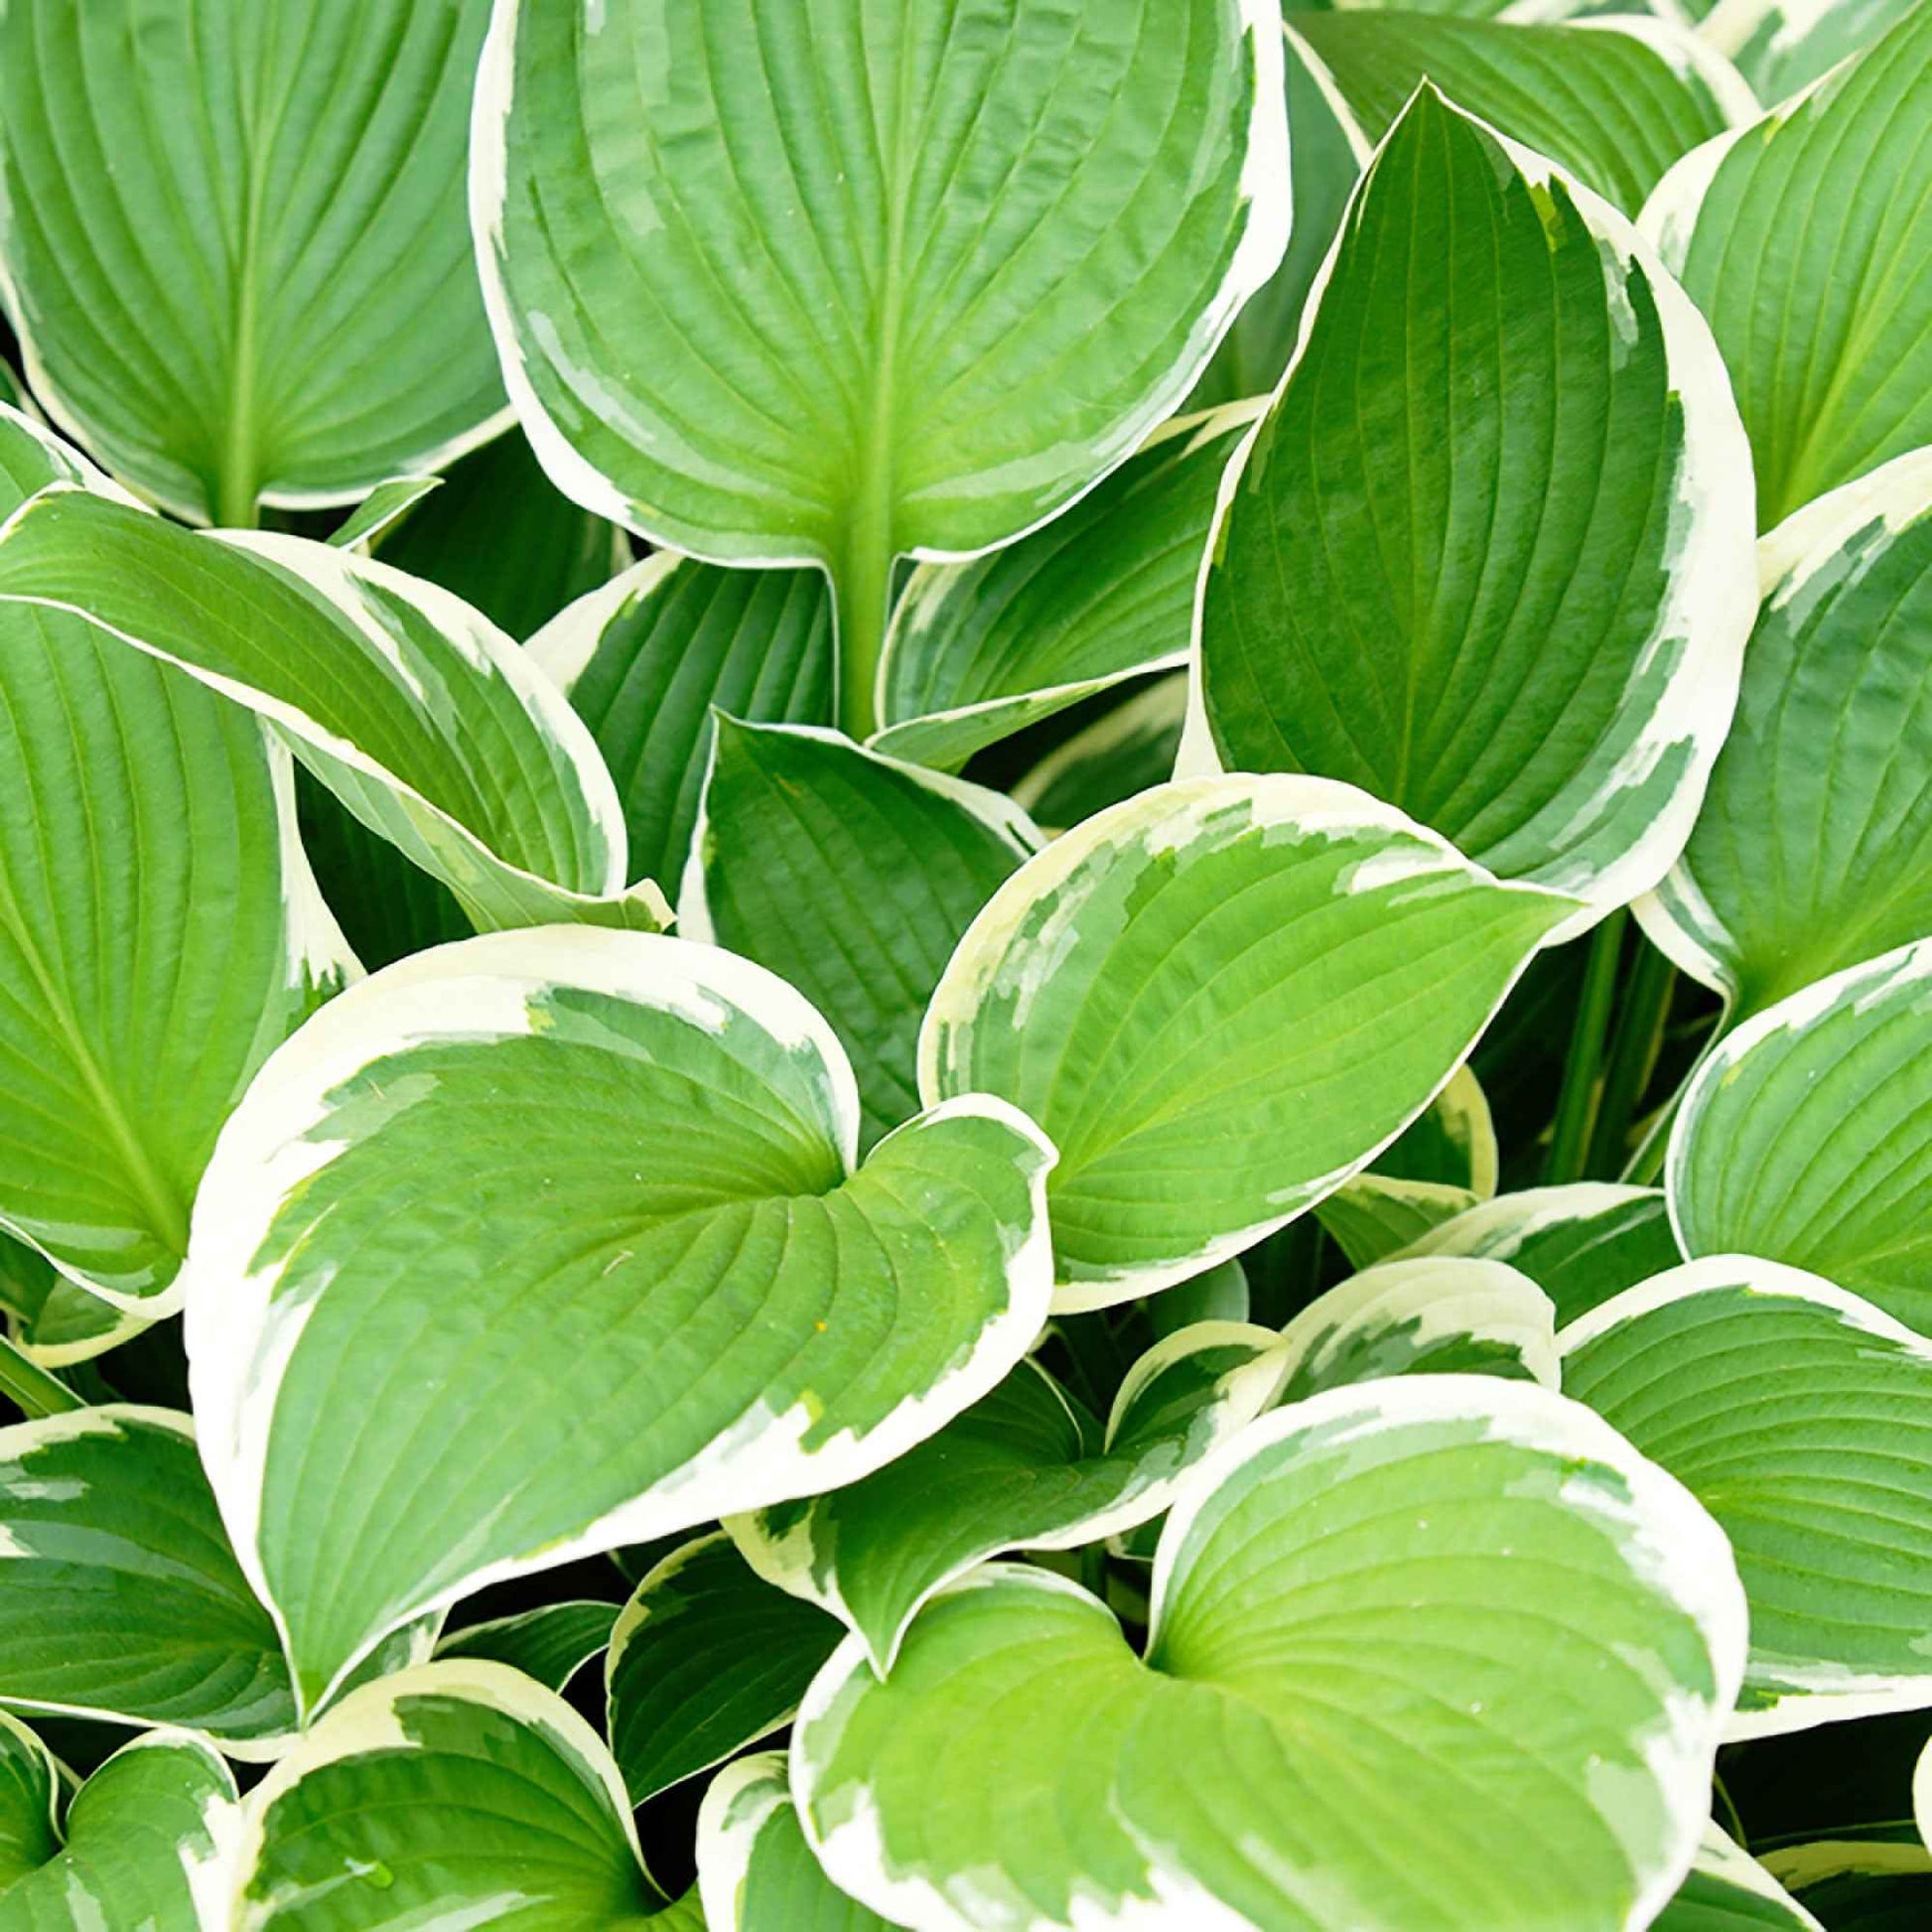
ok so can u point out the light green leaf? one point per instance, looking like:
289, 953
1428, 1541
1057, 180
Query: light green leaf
1024, 1469
460, 1794
1814, 847
821, 306
53, 1320
551, 1643
1807, 1136
1127, 750
233, 242
651, 1143
707, 1658
1489, 555
1445, 1647
645, 659
145, 1845
1102, 594
1781, 46
1729, 1892
160, 932
381, 508
119, 1595
1220, 999
1804, 238
756, 1871
1581, 1244
851, 876
1821, 1478
1612, 103
412, 707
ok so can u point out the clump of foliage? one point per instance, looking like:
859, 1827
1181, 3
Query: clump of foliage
1034, 894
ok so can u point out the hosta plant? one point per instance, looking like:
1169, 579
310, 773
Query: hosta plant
965, 965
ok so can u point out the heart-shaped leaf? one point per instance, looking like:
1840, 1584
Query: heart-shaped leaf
851, 875
645, 661
652, 1143
707, 1658
1821, 1478
1024, 1467
1804, 238
459, 1794
1814, 847
551, 1643
974, 203
234, 243
412, 707
1444, 1646
1807, 1136
146, 1842
1489, 555
1193, 993
1729, 1892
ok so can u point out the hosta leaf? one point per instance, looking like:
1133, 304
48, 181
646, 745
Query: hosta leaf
551, 1644
880, 280
652, 1144
1105, 592
755, 1872
707, 1658
159, 929
1780, 46
460, 1794
119, 1595
1612, 106
1023, 1468
851, 876
1729, 1892
53, 1320
234, 244
415, 710
1814, 847
1220, 1294
387, 501
1431, 1316
645, 658
1822, 1479
1581, 1244
1857, 1884
1489, 555
1807, 1136
1195, 994
1127, 750
1410, 1638
1804, 238
144, 1844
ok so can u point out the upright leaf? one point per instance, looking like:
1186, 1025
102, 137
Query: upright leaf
825, 304
233, 240
1805, 238
1196, 994
604, 1184
1489, 555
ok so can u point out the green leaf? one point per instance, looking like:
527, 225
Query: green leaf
1807, 1136
145, 1843
652, 1143
1195, 994
234, 246
1804, 238
1488, 556
1781, 46
1822, 1479
456, 1794
160, 932
1612, 104
119, 1595
1218, 1294
551, 1643
1025, 1468
1446, 1648
1105, 592
756, 1871
707, 1658
53, 1320
851, 875
1581, 1244
1814, 847
1127, 750
1437, 1316
1726, 1890
1859, 1886
412, 707
645, 659
381, 508
902, 281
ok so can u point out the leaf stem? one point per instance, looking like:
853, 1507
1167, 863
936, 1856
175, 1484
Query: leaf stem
1633, 1059
1570, 1138
863, 590
31, 1388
